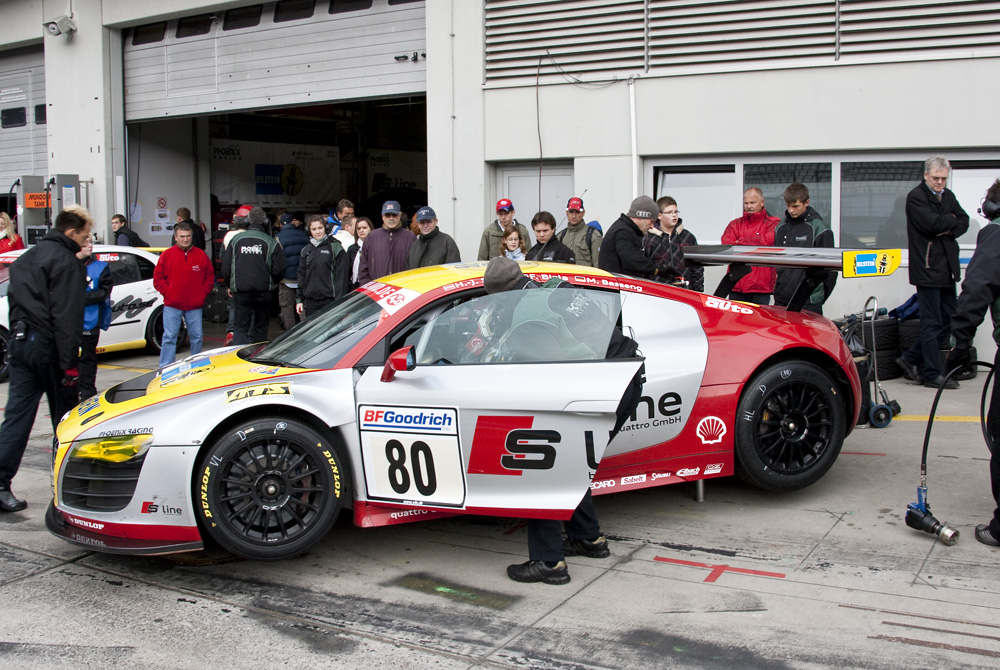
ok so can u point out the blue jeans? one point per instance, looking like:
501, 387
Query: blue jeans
172, 326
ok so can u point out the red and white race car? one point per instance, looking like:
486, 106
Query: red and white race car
420, 395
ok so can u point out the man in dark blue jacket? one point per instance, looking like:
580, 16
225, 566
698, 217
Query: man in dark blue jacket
293, 238
981, 292
934, 222
46, 299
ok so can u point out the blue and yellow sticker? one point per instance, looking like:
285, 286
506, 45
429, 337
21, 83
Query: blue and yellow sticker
871, 263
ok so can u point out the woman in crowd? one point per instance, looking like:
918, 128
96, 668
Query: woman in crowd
362, 226
512, 246
664, 245
324, 270
9, 239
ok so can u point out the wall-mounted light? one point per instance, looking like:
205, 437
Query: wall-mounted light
61, 25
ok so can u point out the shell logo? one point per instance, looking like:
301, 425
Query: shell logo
710, 430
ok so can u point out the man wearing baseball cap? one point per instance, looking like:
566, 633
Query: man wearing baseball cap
491, 244
432, 247
621, 250
386, 249
583, 240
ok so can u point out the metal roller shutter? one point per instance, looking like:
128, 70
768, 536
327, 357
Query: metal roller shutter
23, 145
240, 62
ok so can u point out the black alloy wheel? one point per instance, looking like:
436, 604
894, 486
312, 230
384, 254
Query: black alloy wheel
789, 426
270, 489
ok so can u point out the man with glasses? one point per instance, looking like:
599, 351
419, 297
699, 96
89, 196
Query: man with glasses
386, 249
934, 222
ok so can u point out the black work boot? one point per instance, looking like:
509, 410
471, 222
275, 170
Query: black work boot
537, 571
8, 503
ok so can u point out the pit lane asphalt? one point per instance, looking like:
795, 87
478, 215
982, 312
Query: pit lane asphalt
825, 577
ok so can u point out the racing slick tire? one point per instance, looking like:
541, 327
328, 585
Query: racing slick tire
271, 488
154, 333
4, 362
789, 426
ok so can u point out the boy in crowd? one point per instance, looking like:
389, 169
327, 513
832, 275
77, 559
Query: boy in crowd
548, 247
802, 227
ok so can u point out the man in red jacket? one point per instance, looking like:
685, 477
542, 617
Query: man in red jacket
754, 229
184, 276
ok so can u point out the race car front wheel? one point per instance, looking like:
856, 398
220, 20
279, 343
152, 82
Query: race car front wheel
270, 489
789, 426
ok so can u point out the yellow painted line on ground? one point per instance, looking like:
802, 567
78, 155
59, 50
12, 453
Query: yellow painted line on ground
916, 417
105, 366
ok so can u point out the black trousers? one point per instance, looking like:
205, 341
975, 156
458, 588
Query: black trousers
993, 424
545, 540
253, 310
87, 386
34, 370
314, 307
937, 306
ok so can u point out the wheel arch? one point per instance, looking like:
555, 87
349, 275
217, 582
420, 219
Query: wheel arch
824, 362
285, 412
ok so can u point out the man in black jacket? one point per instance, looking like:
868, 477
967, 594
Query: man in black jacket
548, 247
981, 291
46, 301
432, 246
197, 232
621, 250
934, 222
251, 267
123, 235
802, 227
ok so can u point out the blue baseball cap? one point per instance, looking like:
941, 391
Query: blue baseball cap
425, 214
390, 207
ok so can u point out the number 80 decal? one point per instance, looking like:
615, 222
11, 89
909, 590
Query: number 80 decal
412, 454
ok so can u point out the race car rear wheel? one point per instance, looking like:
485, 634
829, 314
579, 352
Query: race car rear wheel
789, 426
154, 331
270, 489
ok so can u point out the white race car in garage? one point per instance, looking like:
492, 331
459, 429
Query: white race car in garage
136, 307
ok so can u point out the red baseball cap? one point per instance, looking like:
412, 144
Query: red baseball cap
575, 204
504, 203
243, 211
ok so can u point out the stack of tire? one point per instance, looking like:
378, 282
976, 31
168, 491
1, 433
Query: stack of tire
884, 345
909, 335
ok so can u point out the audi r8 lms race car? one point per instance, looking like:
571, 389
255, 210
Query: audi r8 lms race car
420, 395
136, 307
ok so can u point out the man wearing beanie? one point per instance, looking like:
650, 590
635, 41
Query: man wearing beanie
621, 250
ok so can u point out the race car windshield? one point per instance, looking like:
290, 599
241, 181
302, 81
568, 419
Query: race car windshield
325, 338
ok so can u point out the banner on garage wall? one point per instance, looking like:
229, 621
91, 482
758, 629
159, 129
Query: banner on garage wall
274, 175
393, 169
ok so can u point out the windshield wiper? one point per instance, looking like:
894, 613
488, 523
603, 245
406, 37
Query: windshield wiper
267, 361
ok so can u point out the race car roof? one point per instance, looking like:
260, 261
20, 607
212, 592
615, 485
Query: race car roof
427, 279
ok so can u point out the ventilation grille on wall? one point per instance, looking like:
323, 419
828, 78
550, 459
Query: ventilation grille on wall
600, 39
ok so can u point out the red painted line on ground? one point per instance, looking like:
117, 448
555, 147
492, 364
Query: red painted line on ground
516, 527
716, 571
860, 453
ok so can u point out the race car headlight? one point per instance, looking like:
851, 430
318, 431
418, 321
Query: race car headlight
116, 449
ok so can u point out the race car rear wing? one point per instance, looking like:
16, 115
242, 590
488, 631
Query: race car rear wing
817, 262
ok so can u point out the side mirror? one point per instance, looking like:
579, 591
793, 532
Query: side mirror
399, 361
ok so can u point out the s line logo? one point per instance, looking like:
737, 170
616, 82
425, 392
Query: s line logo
507, 445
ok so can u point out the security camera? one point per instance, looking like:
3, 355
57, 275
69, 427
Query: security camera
59, 26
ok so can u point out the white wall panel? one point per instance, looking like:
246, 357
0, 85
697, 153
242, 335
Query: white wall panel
327, 57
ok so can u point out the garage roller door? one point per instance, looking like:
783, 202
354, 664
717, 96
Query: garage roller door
22, 115
273, 55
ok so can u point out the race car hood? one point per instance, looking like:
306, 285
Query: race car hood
202, 372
